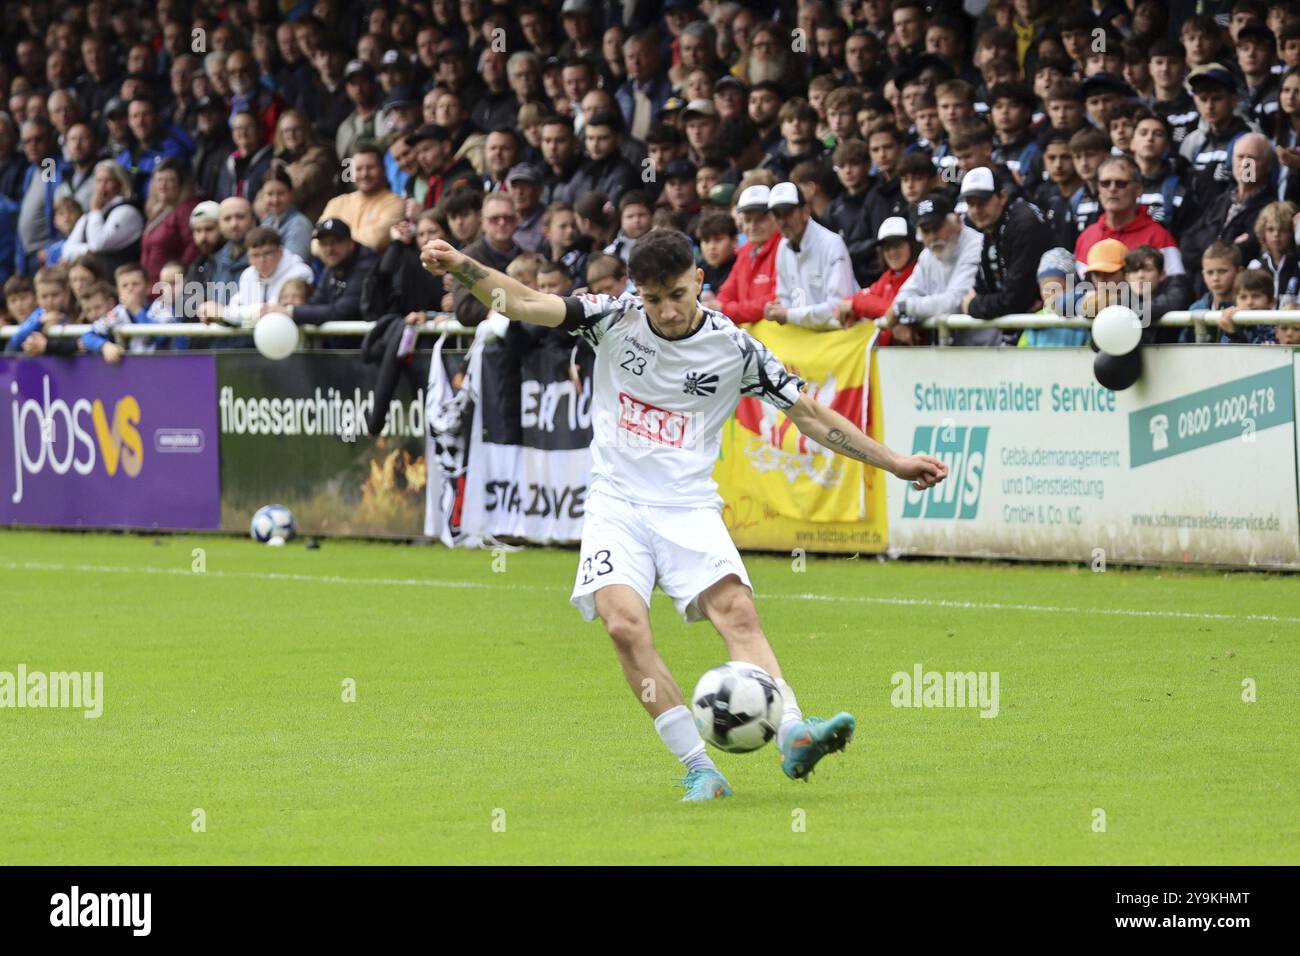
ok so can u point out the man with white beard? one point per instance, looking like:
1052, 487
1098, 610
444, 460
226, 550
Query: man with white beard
944, 273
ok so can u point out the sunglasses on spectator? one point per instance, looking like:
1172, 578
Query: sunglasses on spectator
1114, 183
501, 218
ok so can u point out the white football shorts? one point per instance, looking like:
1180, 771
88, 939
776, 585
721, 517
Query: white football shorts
683, 550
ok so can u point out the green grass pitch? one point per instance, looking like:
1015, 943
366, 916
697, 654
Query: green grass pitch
491, 725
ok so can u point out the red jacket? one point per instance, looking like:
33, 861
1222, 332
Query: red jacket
873, 301
1142, 231
169, 239
752, 283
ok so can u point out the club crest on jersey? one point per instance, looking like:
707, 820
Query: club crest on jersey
652, 424
700, 383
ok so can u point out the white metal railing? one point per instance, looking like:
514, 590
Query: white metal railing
1203, 320
438, 323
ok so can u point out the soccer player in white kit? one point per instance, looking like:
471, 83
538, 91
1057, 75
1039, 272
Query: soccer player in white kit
669, 374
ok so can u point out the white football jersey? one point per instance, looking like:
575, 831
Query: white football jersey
659, 405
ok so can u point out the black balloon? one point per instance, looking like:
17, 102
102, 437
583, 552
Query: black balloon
1118, 372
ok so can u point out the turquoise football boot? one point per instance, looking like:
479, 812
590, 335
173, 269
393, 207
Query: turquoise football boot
705, 785
811, 739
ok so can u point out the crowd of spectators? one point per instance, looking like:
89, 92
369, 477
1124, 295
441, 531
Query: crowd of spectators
833, 162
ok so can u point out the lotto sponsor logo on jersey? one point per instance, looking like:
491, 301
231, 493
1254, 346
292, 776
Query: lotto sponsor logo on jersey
653, 424
963, 449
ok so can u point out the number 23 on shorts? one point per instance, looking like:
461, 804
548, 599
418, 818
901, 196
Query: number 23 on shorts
596, 566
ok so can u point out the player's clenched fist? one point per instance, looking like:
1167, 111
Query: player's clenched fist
926, 471
439, 257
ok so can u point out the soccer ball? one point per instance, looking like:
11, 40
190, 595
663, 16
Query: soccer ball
270, 522
737, 707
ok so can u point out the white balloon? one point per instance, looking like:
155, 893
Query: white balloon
1117, 330
275, 335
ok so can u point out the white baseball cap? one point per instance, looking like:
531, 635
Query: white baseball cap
784, 194
755, 197
979, 181
204, 211
895, 227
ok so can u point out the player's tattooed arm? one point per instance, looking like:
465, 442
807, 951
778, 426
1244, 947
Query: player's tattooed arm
832, 430
469, 273
494, 289
839, 441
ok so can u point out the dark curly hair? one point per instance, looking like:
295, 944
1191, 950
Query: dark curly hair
660, 256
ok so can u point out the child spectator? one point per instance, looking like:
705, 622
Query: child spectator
100, 300
842, 108
1275, 231
1056, 271
635, 218
54, 306
20, 300
1104, 268
294, 292
679, 192
564, 242
1253, 290
819, 88
523, 268
898, 252
929, 131
130, 306
1220, 264
607, 275
665, 218
1158, 293
164, 308
553, 279
917, 178
716, 234
66, 213
1287, 333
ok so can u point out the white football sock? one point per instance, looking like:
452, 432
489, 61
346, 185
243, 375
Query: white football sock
790, 712
676, 727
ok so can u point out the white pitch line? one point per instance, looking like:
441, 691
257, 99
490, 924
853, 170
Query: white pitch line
472, 585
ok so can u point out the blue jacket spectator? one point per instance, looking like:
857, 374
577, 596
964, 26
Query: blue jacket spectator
153, 143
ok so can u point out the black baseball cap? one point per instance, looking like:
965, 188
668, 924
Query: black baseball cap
333, 227
933, 209
1106, 82
680, 169
401, 96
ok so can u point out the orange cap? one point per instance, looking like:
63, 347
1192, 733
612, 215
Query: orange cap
1107, 256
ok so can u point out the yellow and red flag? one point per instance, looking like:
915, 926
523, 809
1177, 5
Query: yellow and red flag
783, 491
